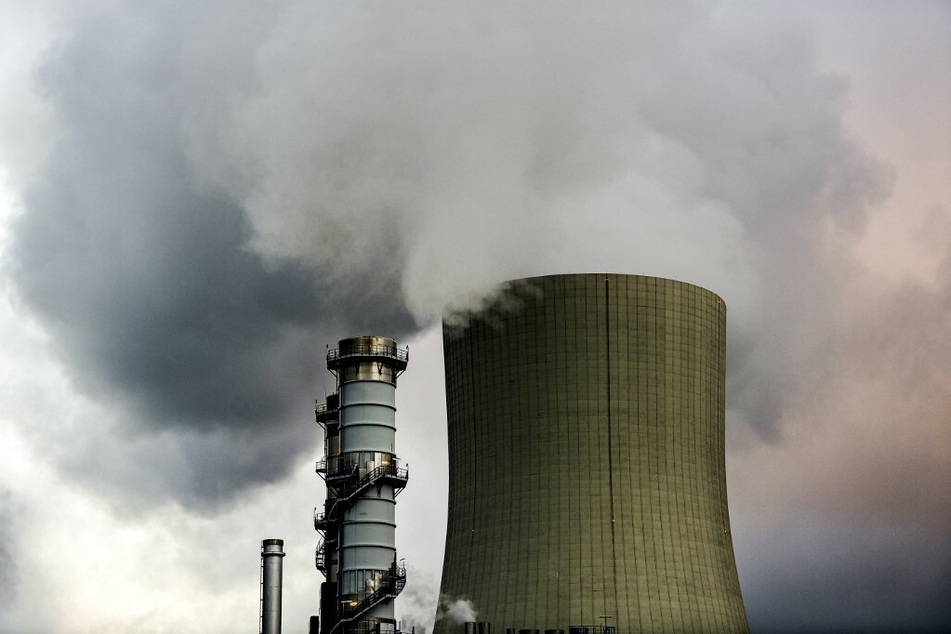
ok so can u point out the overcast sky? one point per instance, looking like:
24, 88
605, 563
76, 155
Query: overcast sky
197, 198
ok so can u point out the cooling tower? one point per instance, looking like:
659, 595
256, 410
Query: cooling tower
586, 459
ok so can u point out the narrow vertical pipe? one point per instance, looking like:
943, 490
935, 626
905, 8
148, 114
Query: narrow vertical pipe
272, 567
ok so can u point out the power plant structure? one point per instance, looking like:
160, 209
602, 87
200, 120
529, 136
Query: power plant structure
272, 584
587, 485
357, 549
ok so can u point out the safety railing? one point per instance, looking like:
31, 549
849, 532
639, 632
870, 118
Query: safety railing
324, 413
398, 476
342, 472
392, 584
323, 467
368, 350
319, 557
322, 521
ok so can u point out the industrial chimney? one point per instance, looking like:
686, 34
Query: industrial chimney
587, 489
357, 550
272, 567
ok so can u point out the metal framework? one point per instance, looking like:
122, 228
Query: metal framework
357, 548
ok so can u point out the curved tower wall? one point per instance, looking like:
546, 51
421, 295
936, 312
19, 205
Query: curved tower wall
586, 458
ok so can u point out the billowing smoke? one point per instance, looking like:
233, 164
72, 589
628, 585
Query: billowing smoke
418, 603
459, 610
229, 188
214, 191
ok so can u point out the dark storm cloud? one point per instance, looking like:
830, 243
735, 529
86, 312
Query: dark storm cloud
145, 278
195, 468
811, 576
514, 142
231, 187
851, 532
229, 184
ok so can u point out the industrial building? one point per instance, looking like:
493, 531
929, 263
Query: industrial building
357, 549
587, 489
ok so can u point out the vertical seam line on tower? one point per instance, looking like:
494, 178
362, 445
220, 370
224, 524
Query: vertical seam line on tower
607, 331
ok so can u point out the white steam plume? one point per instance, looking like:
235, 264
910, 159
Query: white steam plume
420, 153
459, 610
386, 159
455, 147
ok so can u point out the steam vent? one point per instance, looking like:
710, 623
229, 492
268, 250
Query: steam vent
357, 550
587, 490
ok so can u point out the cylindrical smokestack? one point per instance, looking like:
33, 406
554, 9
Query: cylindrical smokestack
272, 573
363, 476
484, 627
470, 627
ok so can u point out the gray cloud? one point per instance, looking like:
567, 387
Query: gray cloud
20, 581
146, 280
8, 566
230, 188
851, 532
842, 578
222, 190
568, 140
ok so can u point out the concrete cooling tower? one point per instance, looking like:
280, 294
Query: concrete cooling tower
587, 489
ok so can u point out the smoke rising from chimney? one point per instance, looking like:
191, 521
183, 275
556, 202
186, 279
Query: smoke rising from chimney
459, 610
213, 212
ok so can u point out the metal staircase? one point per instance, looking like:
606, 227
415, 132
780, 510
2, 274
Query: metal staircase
393, 583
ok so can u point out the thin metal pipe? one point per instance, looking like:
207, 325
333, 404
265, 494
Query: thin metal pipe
272, 578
